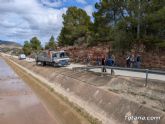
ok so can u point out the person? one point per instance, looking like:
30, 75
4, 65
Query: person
138, 61
132, 61
88, 60
78, 59
97, 61
128, 61
109, 61
103, 63
113, 58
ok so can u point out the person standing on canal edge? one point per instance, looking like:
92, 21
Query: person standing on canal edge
132, 61
128, 61
97, 61
88, 60
103, 61
138, 61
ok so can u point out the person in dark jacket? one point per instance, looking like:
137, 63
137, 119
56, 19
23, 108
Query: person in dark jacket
128, 61
103, 63
138, 61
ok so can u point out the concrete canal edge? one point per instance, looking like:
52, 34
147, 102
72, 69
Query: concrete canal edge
107, 106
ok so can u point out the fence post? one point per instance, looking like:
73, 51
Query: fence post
146, 78
111, 71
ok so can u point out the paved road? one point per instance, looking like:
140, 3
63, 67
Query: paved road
133, 74
18, 103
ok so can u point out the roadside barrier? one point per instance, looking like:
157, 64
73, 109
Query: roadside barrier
146, 71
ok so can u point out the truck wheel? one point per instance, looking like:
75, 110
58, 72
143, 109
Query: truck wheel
44, 64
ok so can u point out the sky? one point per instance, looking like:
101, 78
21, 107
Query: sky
20, 20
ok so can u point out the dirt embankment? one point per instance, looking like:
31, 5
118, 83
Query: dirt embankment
149, 59
109, 99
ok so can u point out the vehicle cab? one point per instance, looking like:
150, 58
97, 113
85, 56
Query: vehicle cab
60, 58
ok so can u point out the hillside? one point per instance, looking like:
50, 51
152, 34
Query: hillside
9, 44
10, 47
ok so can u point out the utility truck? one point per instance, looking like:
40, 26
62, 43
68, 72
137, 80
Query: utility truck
55, 58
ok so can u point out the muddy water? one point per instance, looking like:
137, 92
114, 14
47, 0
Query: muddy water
18, 103
61, 111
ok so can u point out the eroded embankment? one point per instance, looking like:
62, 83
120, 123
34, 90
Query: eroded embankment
109, 107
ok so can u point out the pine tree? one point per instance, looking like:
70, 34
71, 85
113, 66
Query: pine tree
76, 23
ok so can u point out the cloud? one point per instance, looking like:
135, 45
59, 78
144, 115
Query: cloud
89, 9
23, 19
81, 1
52, 3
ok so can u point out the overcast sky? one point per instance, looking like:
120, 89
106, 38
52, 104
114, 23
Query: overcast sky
20, 20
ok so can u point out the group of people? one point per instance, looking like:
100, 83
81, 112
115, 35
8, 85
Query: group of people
109, 61
133, 61
105, 61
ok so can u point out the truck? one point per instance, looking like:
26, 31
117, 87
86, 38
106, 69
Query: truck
55, 58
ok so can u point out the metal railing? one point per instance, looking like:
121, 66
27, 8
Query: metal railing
146, 71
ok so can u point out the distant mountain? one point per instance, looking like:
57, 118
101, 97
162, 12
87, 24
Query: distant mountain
9, 44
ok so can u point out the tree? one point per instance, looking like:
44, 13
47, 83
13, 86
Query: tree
153, 25
75, 27
27, 48
51, 44
105, 18
124, 23
35, 44
130, 22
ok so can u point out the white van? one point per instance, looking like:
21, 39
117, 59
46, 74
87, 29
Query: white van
22, 56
